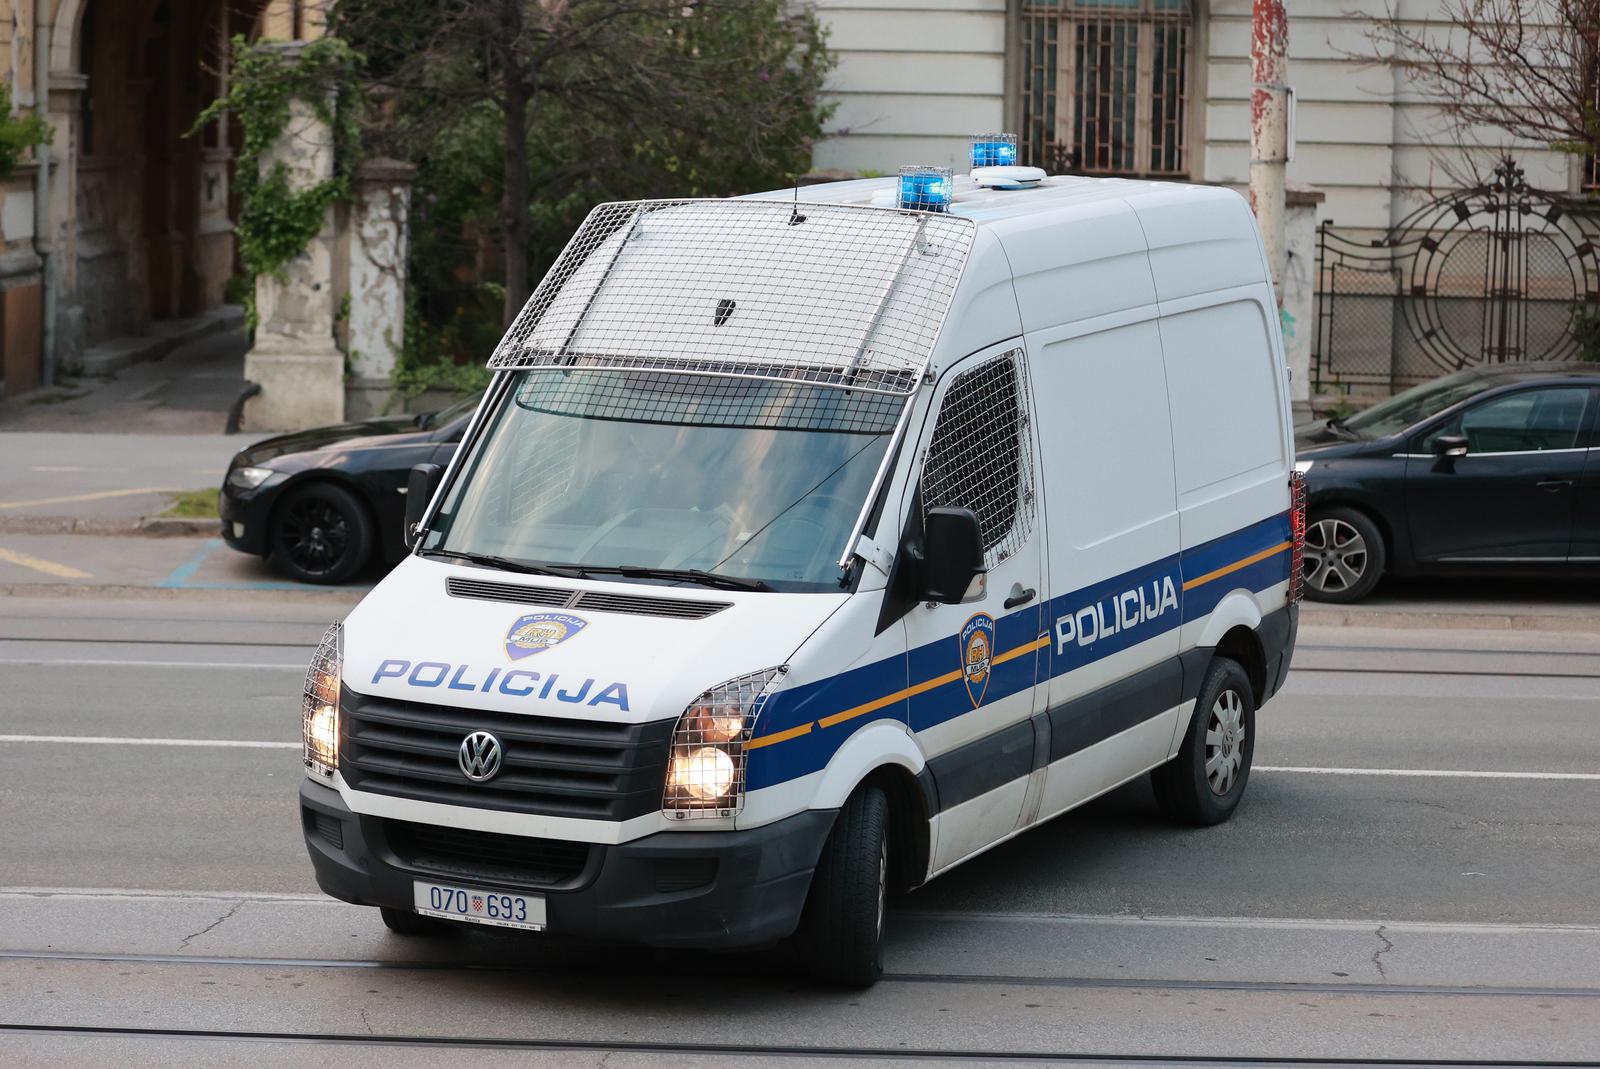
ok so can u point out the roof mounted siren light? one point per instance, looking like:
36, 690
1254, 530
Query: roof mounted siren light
994, 163
925, 189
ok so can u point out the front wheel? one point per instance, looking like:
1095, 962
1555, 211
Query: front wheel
320, 533
842, 926
1344, 555
1204, 783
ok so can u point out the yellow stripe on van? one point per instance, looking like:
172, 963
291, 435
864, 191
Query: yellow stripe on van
1201, 580
889, 699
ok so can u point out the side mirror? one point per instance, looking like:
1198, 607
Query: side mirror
1446, 448
952, 566
421, 485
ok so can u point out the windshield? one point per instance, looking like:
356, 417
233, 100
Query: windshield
1418, 403
449, 414
748, 478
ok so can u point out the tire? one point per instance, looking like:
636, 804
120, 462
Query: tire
841, 929
320, 533
1344, 555
1188, 788
405, 922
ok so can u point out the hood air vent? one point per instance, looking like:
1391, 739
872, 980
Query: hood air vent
592, 600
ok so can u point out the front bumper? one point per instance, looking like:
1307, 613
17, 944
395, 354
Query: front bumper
754, 882
244, 515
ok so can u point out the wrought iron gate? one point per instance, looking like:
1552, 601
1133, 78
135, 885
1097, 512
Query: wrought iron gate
1484, 276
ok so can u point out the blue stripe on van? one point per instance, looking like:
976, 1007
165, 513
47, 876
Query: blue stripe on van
799, 730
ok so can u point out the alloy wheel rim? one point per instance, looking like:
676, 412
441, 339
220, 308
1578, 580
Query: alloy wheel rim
314, 536
1335, 556
1225, 739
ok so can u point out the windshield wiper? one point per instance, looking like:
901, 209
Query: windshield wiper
505, 564
688, 575
1336, 425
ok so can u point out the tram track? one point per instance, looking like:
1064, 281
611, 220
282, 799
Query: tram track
931, 978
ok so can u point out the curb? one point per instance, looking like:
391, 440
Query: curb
346, 598
140, 526
1583, 623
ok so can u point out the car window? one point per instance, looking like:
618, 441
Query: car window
1529, 421
1417, 404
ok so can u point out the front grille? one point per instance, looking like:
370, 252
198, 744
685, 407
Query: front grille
329, 829
592, 600
591, 769
480, 855
684, 873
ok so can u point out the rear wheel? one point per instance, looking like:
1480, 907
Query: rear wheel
405, 922
1204, 783
321, 533
841, 930
1344, 555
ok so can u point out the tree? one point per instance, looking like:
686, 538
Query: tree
591, 96
1526, 68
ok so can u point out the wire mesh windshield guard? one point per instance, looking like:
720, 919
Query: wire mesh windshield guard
839, 295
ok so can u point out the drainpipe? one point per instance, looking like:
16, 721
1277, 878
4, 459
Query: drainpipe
1269, 127
42, 242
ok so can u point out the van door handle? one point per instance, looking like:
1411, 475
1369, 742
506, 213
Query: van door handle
1021, 597
1552, 485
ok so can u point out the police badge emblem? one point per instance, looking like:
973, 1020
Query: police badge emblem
977, 655
539, 631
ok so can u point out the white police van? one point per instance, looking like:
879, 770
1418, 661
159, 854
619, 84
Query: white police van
802, 550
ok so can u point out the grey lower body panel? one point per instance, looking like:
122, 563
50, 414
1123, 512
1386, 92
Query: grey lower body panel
754, 881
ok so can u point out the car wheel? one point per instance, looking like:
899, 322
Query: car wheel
321, 533
842, 926
1203, 784
405, 922
1344, 555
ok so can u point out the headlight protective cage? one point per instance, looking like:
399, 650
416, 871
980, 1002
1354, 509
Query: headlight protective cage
319, 706
708, 747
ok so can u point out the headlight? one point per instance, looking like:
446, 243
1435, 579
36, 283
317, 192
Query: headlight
319, 706
705, 774
1303, 466
248, 478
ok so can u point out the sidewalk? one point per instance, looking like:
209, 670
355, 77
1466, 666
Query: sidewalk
189, 390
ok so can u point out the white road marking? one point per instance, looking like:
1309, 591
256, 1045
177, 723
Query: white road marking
1429, 773
38, 662
108, 740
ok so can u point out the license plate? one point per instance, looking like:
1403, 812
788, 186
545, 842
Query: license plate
481, 907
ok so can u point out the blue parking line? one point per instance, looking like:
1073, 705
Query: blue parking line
184, 572
182, 577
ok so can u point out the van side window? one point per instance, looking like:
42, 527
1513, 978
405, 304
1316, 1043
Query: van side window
981, 455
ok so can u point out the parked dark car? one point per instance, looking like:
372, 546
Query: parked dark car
320, 504
1487, 470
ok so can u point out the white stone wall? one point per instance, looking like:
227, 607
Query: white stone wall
916, 78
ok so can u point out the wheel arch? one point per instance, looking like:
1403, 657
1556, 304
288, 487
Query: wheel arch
1356, 503
884, 755
1243, 645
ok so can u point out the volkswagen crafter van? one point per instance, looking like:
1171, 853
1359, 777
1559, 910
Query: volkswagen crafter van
802, 551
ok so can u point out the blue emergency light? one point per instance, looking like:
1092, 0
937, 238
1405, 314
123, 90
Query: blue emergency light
925, 189
994, 150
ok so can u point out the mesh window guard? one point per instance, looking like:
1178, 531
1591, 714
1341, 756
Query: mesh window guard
838, 295
981, 454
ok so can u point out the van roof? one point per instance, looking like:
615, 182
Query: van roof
1067, 194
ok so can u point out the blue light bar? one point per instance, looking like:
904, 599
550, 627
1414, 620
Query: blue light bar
925, 189
994, 150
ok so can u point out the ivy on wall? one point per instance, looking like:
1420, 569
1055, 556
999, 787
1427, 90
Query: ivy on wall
276, 220
19, 134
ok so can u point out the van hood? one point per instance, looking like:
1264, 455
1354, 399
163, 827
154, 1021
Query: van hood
412, 640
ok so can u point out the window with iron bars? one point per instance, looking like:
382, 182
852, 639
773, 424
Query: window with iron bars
981, 455
1107, 86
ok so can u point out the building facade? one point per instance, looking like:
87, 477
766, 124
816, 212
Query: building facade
131, 226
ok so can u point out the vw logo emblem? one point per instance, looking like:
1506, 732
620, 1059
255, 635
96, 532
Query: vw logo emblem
479, 756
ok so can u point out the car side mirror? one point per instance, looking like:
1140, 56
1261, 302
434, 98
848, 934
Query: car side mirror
952, 567
1446, 448
421, 485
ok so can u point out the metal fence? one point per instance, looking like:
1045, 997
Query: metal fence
1488, 275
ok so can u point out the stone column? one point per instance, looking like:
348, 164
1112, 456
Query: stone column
294, 360
1298, 293
378, 234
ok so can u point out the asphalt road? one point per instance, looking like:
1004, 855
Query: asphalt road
1415, 874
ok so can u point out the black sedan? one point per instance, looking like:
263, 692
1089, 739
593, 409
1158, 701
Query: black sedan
320, 504
1492, 469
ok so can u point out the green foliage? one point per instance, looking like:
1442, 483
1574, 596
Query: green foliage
276, 220
193, 505
1586, 328
19, 134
